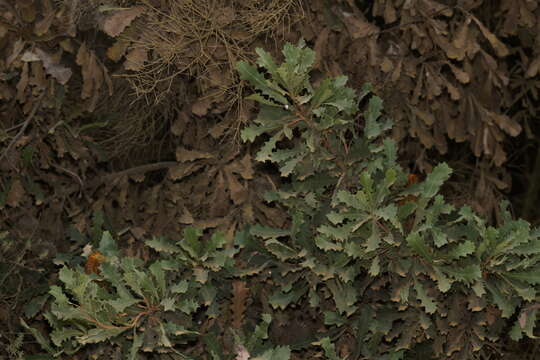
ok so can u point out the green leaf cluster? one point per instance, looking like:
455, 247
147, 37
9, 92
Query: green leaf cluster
139, 307
402, 268
387, 263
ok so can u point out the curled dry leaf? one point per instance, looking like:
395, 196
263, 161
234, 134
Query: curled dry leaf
18, 46
135, 59
117, 50
426, 117
460, 39
51, 64
117, 21
390, 14
237, 191
510, 126
461, 75
453, 91
185, 155
43, 26
387, 65
201, 106
534, 68
498, 45
27, 10
238, 306
93, 75
23, 82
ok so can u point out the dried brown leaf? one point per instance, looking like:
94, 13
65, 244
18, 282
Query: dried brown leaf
428, 118
499, 157
460, 75
397, 70
27, 10
498, 45
453, 91
238, 303
185, 155
52, 66
179, 125
218, 201
84, 59
460, 39
434, 8
43, 26
15, 194
6, 92
247, 167
22, 83
114, 24
210, 223
186, 217
18, 46
387, 65
533, 68
237, 192
389, 12
201, 106
3, 30
182, 170
135, 59
67, 45
117, 50
509, 125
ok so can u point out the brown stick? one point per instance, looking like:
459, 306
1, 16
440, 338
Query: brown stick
23, 129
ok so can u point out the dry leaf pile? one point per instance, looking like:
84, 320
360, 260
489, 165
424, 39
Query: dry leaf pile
449, 73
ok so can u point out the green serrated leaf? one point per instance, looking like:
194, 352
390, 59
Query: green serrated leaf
325, 244
462, 250
416, 242
162, 244
427, 301
329, 348
107, 245
443, 283
277, 353
532, 277
121, 304
373, 128
434, 180
136, 345
192, 243
345, 296
375, 267
250, 73
96, 335
268, 232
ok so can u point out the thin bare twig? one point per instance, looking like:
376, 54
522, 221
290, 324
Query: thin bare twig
25, 125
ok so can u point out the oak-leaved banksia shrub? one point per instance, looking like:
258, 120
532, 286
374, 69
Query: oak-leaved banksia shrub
384, 262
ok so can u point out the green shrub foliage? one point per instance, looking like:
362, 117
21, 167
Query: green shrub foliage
384, 261
403, 269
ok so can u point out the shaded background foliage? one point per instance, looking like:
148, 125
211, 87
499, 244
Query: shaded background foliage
132, 108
